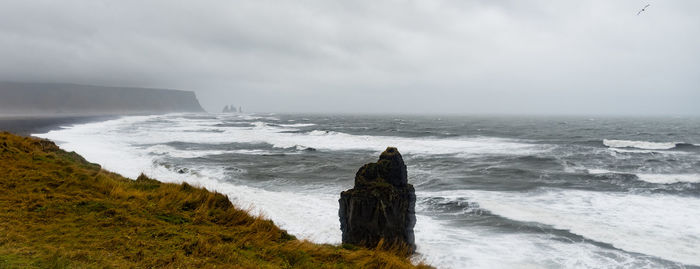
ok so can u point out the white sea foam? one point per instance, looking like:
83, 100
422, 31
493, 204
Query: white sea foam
446, 246
298, 125
173, 152
133, 130
596, 171
664, 226
669, 178
638, 144
646, 151
248, 117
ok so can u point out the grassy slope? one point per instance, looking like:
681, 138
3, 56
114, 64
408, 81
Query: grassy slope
59, 211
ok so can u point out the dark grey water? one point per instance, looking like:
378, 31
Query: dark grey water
495, 192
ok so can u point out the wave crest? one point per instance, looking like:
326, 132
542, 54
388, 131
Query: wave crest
669, 178
638, 144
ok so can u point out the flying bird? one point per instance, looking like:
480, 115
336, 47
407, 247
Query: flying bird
643, 9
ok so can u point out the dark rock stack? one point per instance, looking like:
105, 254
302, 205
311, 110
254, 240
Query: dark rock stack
231, 109
381, 205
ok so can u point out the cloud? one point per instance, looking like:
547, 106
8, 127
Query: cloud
394, 56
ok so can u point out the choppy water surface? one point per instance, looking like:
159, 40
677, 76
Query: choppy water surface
493, 192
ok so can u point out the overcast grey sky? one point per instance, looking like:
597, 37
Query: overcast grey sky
422, 56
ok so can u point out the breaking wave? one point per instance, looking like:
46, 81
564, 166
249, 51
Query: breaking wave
606, 217
653, 178
639, 144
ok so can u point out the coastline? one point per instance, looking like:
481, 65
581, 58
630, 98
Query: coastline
312, 216
64, 212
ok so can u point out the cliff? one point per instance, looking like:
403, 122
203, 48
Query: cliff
73, 99
60, 211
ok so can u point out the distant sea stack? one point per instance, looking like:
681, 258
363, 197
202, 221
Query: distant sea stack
381, 205
72, 99
231, 109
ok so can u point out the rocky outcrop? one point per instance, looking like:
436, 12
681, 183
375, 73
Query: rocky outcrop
381, 205
231, 109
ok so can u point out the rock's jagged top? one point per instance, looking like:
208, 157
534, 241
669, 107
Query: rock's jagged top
381, 205
389, 169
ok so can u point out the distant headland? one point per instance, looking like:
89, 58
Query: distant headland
20, 98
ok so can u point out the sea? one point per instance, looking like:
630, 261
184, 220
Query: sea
492, 191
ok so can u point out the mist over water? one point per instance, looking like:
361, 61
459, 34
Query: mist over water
492, 192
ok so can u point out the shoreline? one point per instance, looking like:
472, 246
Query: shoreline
28, 125
63, 210
103, 143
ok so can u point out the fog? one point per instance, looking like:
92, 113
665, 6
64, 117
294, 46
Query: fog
443, 56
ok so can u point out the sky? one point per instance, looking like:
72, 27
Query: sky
370, 56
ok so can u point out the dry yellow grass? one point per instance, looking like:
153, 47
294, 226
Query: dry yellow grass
59, 211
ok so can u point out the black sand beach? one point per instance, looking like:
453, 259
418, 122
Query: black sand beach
26, 125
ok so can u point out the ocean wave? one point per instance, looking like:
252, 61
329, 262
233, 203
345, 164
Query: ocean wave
295, 125
597, 171
461, 146
638, 144
191, 153
248, 117
669, 178
607, 217
653, 178
132, 131
446, 246
642, 151
687, 147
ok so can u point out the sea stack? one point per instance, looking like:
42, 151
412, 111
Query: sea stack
381, 205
